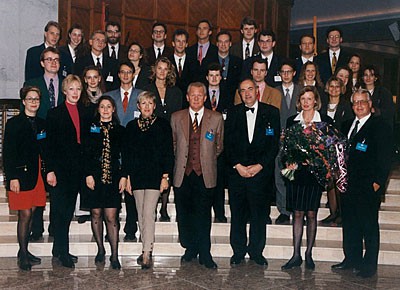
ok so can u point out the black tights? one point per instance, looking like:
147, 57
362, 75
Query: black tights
23, 229
311, 231
110, 218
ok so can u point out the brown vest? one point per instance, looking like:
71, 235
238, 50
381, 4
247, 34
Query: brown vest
193, 161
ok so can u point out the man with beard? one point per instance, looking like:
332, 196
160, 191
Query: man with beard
114, 48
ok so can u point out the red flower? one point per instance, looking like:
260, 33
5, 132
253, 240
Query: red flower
321, 146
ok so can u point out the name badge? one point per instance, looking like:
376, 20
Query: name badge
64, 72
277, 78
41, 135
94, 129
362, 147
136, 114
210, 135
269, 132
110, 78
224, 116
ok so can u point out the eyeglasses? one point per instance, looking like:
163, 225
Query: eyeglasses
99, 40
360, 102
285, 72
49, 59
158, 31
334, 36
126, 72
134, 51
32, 100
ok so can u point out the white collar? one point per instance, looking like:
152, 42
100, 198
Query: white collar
316, 118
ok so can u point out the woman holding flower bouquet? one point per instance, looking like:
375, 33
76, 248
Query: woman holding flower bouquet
303, 188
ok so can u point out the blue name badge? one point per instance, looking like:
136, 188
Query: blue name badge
269, 132
94, 129
362, 147
210, 135
41, 135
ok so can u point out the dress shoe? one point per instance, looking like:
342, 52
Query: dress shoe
293, 262
310, 265
222, 220
66, 261
165, 218
24, 264
100, 258
366, 273
83, 219
32, 258
35, 237
329, 219
283, 220
344, 265
188, 257
139, 260
236, 260
72, 257
208, 263
260, 260
146, 264
115, 264
130, 238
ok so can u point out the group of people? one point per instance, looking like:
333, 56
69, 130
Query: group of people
124, 120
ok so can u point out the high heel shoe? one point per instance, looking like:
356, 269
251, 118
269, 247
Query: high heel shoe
24, 264
293, 262
100, 258
310, 265
115, 264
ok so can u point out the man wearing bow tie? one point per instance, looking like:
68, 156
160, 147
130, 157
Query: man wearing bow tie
251, 144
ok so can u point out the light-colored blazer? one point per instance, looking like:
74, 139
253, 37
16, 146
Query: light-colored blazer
271, 96
129, 115
209, 150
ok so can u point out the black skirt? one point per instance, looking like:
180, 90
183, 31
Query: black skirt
103, 196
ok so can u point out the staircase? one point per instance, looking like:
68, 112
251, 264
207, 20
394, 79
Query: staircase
328, 246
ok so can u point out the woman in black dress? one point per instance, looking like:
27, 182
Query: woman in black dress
149, 163
304, 192
22, 153
105, 180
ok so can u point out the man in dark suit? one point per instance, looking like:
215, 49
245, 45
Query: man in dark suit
368, 167
158, 49
306, 45
202, 53
266, 42
251, 145
114, 49
289, 90
33, 69
198, 141
335, 57
107, 65
179, 59
248, 46
231, 64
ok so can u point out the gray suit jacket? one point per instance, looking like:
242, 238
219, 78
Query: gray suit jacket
129, 115
209, 150
286, 112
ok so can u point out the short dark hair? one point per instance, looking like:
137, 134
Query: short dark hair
49, 49
289, 63
180, 31
75, 26
128, 64
224, 32
25, 90
306, 35
259, 60
248, 20
204, 20
52, 23
159, 24
266, 32
334, 28
214, 66
115, 119
114, 23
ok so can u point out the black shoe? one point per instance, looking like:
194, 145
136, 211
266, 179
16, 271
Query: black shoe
148, 264
36, 237
24, 264
269, 221
329, 219
283, 220
115, 264
260, 260
310, 265
236, 260
165, 218
130, 238
293, 262
344, 265
100, 258
221, 219
66, 261
209, 263
366, 273
188, 257
83, 219
72, 257
139, 260
32, 258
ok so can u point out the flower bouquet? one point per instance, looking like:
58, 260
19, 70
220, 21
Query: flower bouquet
321, 147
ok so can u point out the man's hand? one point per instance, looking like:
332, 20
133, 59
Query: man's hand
51, 179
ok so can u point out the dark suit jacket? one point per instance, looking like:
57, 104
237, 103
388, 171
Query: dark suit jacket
237, 49
286, 112
109, 68
272, 70
143, 79
173, 101
343, 112
185, 79
151, 56
373, 165
263, 149
382, 102
21, 151
324, 63
198, 71
33, 68
45, 99
224, 103
67, 63
122, 53
233, 76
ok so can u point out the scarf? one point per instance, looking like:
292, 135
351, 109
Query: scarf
106, 153
145, 123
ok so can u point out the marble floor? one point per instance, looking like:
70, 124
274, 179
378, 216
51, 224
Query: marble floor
168, 273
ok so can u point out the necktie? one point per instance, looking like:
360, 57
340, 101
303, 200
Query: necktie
98, 64
52, 94
125, 102
287, 98
159, 52
195, 123
258, 96
213, 100
113, 55
249, 109
180, 67
354, 132
334, 61
200, 56
247, 51
224, 72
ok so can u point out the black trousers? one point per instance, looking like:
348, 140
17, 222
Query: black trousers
248, 198
219, 195
360, 223
131, 215
193, 209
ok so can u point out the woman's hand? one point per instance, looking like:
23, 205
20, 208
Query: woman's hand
128, 187
164, 184
90, 182
51, 179
122, 184
14, 185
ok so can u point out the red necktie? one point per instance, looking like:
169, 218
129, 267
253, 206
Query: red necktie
200, 56
258, 95
125, 101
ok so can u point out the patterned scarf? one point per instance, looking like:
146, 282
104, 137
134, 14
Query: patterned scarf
106, 153
145, 123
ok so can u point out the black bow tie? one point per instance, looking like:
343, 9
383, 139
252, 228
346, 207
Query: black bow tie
249, 109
